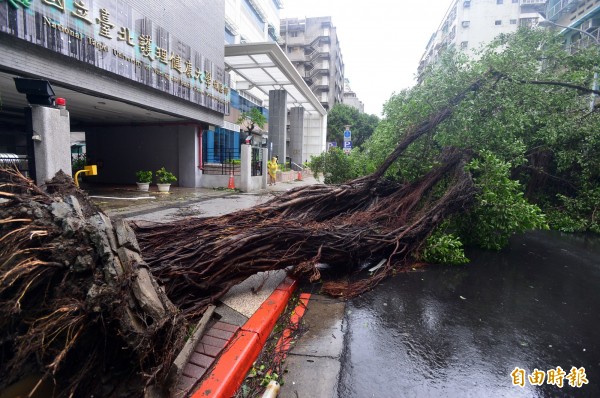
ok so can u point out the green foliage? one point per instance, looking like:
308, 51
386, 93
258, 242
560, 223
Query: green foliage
361, 124
252, 119
78, 162
165, 177
144, 176
335, 165
578, 214
537, 146
501, 209
265, 376
442, 248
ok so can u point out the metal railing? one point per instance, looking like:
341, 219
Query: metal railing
523, 2
585, 41
562, 6
256, 168
222, 162
23, 163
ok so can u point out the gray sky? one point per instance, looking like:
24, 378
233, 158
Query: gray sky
381, 40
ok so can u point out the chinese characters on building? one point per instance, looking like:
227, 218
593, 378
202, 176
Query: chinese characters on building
105, 27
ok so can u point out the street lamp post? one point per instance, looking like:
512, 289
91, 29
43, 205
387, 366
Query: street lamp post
547, 22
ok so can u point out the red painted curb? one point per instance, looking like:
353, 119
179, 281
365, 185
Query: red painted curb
231, 368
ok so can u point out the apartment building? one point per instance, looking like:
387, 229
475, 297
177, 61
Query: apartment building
576, 14
350, 97
469, 24
314, 49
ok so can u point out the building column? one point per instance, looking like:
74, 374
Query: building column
51, 142
265, 173
277, 124
188, 156
296, 134
246, 168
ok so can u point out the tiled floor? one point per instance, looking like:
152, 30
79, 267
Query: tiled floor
205, 353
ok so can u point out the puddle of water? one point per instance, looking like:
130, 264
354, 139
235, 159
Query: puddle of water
461, 331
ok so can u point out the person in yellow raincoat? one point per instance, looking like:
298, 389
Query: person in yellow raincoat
272, 169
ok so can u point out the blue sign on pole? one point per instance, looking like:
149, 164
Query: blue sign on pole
348, 144
347, 134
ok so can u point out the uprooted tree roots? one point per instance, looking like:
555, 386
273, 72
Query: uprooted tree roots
79, 305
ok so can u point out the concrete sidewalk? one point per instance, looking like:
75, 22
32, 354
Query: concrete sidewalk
126, 202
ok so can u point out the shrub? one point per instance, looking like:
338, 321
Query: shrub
143, 176
165, 177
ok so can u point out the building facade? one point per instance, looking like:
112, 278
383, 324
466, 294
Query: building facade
143, 80
469, 24
314, 49
576, 14
350, 97
251, 21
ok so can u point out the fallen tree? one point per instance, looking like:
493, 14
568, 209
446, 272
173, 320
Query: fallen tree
79, 305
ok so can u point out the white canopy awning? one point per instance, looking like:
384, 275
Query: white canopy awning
262, 67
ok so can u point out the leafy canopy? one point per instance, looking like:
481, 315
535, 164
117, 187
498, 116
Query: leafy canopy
536, 146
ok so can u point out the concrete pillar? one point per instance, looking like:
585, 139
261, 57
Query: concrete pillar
187, 140
245, 168
296, 134
277, 124
265, 173
51, 142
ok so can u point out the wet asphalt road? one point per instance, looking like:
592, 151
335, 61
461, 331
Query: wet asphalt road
460, 331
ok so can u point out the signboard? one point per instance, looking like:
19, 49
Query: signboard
331, 145
113, 36
347, 135
347, 150
347, 145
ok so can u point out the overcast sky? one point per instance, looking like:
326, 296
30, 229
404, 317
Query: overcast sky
381, 40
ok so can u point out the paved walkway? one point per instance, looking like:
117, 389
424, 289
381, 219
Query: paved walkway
129, 203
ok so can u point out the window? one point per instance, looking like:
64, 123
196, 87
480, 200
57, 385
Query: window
499, 1
466, 24
229, 37
513, 21
467, 4
515, 1
498, 22
464, 44
293, 34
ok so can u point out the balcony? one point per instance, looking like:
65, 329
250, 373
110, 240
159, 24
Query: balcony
562, 7
296, 56
532, 2
585, 41
294, 40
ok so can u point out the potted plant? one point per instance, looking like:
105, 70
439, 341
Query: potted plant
143, 178
164, 179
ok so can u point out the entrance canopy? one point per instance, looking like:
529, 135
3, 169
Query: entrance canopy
263, 67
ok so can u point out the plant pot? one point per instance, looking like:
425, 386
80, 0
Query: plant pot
143, 186
163, 187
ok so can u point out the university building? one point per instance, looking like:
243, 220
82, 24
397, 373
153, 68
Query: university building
146, 82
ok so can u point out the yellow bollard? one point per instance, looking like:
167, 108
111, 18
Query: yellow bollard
90, 170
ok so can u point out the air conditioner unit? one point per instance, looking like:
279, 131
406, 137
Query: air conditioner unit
466, 24
590, 24
467, 4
